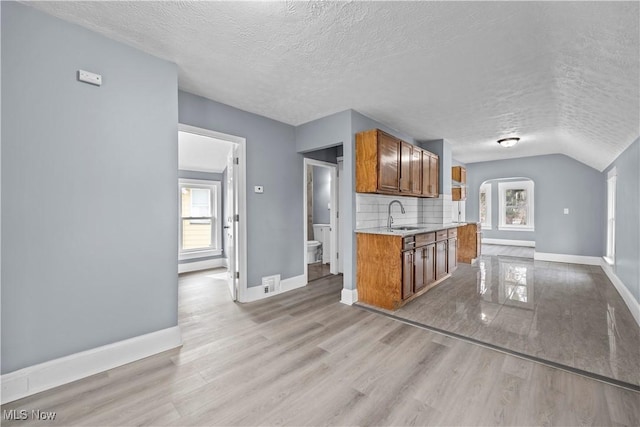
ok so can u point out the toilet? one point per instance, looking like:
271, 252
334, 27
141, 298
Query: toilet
312, 251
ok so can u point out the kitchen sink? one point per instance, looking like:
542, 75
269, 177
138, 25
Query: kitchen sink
405, 228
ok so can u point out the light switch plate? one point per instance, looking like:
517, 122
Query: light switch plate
258, 189
566, 211
88, 77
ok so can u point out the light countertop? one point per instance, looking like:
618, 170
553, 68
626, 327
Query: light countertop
422, 228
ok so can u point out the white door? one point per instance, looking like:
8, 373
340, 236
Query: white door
231, 225
340, 221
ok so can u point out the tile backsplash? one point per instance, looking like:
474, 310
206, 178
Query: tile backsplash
372, 210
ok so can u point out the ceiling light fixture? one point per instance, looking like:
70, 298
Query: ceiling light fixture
508, 142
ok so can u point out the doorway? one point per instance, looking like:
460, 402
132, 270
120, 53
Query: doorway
320, 219
212, 207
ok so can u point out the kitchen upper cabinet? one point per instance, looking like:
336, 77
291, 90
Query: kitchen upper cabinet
416, 171
388, 160
387, 165
459, 174
377, 162
430, 171
406, 156
458, 193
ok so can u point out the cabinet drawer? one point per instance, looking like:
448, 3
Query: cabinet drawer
408, 243
425, 238
452, 232
441, 235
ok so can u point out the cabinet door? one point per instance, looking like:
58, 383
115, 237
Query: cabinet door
388, 162
407, 274
416, 171
441, 259
434, 170
419, 263
429, 264
452, 255
406, 150
426, 175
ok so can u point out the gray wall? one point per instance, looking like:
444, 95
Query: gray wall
328, 155
209, 176
627, 265
321, 195
443, 149
274, 222
559, 182
88, 190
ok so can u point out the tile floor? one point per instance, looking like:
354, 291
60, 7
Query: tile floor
565, 313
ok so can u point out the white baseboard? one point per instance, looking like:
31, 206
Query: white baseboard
571, 259
202, 265
54, 373
632, 303
506, 242
349, 296
256, 293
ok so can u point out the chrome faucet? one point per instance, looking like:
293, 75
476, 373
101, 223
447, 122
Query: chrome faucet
390, 218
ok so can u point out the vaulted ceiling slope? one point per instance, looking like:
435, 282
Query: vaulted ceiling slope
564, 76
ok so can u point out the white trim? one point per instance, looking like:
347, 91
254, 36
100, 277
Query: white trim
632, 303
242, 199
256, 293
570, 259
487, 188
333, 219
199, 254
507, 242
612, 172
349, 296
202, 265
54, 373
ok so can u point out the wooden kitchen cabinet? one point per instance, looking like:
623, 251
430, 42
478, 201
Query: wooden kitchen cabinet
377, 162
416, 171
441, 259
459, 174
469, 242
392, 270
406, 157
458, 193
388, 165
407, 273
430, 171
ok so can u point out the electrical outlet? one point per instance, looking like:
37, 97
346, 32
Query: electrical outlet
266, 289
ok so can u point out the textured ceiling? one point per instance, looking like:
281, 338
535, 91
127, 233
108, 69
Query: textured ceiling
563, 76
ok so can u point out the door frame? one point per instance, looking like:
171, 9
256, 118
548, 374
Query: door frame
241, 235
333, 220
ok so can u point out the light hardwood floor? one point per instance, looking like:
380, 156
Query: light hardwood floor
303, 358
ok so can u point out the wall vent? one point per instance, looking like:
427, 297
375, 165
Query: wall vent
271, 284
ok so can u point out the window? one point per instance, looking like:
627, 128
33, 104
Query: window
199, 228
485, 206
516, 205
611, 216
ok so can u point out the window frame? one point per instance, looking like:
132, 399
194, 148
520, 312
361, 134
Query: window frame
215, 188
527, 185
486, 188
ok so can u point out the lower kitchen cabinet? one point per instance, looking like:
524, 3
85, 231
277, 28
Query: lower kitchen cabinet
407, 274
392, 270
441, 259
